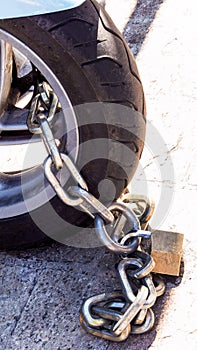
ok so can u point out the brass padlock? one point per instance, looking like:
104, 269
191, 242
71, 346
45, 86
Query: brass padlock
166, 250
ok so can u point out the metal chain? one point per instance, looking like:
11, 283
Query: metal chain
128, 311
113, 316
45, 101
40, 118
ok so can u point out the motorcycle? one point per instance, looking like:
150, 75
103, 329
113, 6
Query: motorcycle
66, 58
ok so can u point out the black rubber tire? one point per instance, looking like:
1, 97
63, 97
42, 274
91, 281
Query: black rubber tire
92, 61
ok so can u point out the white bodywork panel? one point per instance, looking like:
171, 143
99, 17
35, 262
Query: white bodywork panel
23, 8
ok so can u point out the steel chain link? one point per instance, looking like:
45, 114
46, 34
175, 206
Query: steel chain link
116, 315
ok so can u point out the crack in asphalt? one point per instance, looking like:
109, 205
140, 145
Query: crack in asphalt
23, 308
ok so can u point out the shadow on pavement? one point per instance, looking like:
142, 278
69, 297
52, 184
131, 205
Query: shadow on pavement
140, 23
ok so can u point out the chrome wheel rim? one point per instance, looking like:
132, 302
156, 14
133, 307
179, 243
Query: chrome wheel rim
28, 190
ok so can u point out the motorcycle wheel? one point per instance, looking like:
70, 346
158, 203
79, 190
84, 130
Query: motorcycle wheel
91, 69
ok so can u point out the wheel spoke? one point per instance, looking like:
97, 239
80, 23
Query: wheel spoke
5, 73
